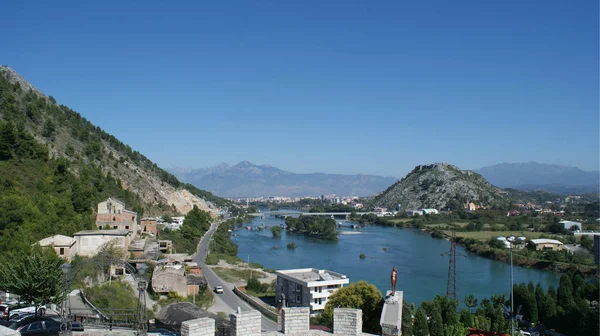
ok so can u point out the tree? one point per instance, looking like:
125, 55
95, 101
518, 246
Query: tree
421, 328
564, 294
540, 298
448, 309
436, 324
167, 218
35, 277
359, 295
466, 318
276, 231
470, 301
407, 312
253, 285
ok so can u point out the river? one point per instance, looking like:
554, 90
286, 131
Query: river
422, 270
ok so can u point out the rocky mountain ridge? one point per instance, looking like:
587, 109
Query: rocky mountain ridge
542, 176
439, 186
246, 179
69, 135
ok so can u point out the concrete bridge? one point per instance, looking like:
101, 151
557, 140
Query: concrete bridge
335, 214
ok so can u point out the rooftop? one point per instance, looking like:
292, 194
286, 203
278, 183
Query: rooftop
57, 240
102, 233
137, 245
546, 241
311, 275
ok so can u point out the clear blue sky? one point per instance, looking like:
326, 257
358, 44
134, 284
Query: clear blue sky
322, 86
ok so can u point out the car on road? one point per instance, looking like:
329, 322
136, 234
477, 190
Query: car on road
219, 289
48, 327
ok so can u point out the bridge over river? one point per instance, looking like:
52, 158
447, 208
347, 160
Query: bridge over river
286, 214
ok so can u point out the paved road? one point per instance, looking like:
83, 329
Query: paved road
228, 297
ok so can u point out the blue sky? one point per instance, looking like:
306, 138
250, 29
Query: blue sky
322, 86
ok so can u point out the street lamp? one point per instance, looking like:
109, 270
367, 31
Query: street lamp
142, 284
66, 268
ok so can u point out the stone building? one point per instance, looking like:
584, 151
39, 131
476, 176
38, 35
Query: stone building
64, 246
113, 215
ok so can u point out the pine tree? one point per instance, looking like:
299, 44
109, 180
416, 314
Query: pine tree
436, 324
421, 328
466, 318
540, 298
564, 295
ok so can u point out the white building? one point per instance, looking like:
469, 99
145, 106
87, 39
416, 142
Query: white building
569, 225
89, 242
308, 287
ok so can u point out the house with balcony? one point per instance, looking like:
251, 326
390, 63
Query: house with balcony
308, 287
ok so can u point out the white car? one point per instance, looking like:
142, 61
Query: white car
219, 289
41, 310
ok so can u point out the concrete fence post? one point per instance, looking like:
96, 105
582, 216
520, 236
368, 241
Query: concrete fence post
347, 321
204, 326
295, 320
246, 323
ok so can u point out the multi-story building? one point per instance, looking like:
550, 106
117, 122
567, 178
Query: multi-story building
308, 287
113, 215
148, 225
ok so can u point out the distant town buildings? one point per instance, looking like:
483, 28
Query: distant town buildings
308, 287
570, 225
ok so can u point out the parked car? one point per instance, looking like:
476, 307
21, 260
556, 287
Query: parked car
20, 309
28, 319
48, 327
219, 289
7, 322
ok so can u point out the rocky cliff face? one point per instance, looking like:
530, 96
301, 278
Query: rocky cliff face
69, 135
438, 186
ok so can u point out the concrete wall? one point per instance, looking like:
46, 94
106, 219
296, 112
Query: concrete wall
256, 304
88, 245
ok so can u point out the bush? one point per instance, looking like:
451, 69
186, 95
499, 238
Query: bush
276, 231
495, 243
291, 246
253, 285
437, 234
362, 256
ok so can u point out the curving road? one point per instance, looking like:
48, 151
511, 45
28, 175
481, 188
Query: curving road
228, 297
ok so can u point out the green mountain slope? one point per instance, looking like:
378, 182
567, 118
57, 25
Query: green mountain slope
55, 166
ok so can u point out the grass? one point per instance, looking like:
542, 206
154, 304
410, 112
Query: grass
400, 220
213, 259
487, 235
235, 275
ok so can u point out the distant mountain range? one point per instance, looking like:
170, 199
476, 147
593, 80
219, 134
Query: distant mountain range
542, 176
246, 179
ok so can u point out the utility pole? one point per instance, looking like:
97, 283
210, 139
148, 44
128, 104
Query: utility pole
451, 285
512, 301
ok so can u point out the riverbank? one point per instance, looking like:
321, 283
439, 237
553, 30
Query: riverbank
521, 257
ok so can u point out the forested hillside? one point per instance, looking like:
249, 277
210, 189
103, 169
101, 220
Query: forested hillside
55, 166
69, 135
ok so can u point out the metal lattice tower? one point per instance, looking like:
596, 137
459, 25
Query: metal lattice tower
451, 286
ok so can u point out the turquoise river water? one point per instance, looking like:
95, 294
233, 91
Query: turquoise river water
422, 270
